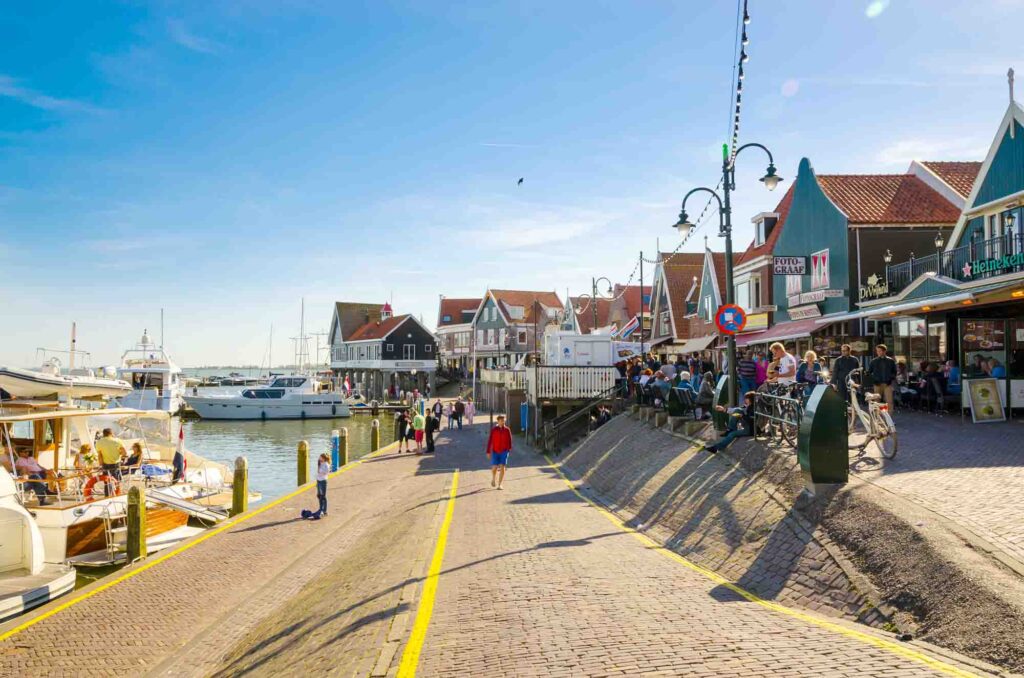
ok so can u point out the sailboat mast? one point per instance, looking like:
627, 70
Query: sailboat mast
71, 360
302, 335
161, 328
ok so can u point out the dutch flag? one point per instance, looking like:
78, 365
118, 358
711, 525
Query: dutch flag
630, 327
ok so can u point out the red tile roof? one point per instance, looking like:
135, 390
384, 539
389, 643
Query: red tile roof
525, 299
455, 308
959, 176
679, 270
585, 320
377, 330
887, 199
633, 296
782, 209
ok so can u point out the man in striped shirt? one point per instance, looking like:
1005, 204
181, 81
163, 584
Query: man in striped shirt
746, 369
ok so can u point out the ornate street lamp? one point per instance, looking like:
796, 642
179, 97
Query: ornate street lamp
594, 296
685, 227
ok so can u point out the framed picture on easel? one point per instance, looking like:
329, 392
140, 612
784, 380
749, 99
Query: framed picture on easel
985, 400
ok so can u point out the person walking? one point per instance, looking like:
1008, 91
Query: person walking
403, 429
419, 425
499, 445
470, 410
449, 413
460, 411
883, 373
323, 468
785, 365
809, 372
433, 425
762, 369
438, 408
841, 369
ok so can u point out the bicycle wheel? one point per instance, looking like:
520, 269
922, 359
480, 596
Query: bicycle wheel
788, 427
886, 430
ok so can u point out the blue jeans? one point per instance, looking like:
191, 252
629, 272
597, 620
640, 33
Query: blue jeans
321, 495
38, 488
732, 434
459, 420
747, 384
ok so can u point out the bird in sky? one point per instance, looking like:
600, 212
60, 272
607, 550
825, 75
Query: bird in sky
520, 182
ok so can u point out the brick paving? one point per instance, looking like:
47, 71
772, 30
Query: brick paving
973, 474
535, 582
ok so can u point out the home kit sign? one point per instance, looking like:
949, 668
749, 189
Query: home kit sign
979, 266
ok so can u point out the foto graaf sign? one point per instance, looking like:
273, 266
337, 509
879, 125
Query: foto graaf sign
789, 265
992, 264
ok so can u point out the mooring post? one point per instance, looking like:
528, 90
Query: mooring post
343, 447
240, 487
335, 449
303, 460
136, 519
375, 436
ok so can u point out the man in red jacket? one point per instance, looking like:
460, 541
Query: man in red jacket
499, 444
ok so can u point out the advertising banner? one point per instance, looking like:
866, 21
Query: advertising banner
985, 400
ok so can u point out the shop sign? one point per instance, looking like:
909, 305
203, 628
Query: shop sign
789, 265
804, 312
756, 322
876, 288
833, 294
859, 346
979, 266
812, 297
985, 400
793, 300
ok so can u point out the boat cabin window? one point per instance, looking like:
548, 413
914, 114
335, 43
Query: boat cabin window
144, 380
288, 382
263, 393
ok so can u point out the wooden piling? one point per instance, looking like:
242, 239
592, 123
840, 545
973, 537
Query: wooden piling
240, 487
375, 436
303, 462
343, 447
136, 520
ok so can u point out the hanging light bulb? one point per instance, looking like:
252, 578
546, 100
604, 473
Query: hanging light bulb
743, 56
746, 16
745, 41
741, 72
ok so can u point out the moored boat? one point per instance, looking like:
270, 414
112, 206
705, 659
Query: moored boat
156, 381
49, 381
293, 396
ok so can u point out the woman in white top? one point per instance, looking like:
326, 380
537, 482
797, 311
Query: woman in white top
470, 410
323, 467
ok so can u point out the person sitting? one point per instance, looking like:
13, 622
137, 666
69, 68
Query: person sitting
996, 369
684, 381
706, 395
953, 378
740, 423
28, 467
134, 460
661, 388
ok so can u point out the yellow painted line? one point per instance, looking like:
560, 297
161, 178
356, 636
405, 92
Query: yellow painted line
227, 525
411, 655
895, 647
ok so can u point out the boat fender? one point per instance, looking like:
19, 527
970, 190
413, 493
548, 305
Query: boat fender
263, 415
334, 409
87, 490
302, 414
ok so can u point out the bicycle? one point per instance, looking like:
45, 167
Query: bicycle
779, 409
877, 424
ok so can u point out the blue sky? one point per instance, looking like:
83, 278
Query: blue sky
223, 160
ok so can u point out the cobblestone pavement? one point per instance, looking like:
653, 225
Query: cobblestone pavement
973, 474
535, 581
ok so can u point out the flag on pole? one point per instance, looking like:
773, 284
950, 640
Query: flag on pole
630, 327
615, 329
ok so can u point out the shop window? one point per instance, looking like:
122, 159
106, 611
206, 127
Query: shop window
1016, 354
980, 342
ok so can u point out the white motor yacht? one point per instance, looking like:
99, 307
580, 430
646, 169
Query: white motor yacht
293, 396
51, 381
156, 381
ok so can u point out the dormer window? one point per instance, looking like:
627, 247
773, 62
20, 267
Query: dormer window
763, 225
446, 318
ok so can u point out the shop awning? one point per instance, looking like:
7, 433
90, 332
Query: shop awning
903, 307
794, 329
698, 343
750, 338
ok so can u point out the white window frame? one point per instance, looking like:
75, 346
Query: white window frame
390, 348
522, 337
428, 349
759, 233
794, 285
408, 351
820, 277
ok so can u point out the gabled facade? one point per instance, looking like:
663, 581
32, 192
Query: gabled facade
385, 354
509, 324
675, 277
455, 333
582, 309
628, 302
707, 296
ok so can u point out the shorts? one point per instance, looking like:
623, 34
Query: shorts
410, 434
499, 458
419, 436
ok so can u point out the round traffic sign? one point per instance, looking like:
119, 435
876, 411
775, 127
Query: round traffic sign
730, 319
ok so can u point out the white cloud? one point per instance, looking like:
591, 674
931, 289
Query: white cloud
875, 8
183, 36
10, 88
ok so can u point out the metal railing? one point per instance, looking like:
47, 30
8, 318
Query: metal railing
513, 380
954, 263
579, 420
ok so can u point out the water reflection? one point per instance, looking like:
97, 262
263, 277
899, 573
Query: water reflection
271, 446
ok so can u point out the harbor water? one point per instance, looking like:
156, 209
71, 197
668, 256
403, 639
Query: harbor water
270, 446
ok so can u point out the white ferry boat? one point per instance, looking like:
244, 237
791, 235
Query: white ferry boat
286, 397
156, 381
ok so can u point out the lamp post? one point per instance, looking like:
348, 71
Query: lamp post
594, 296
770, 181
939, 242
